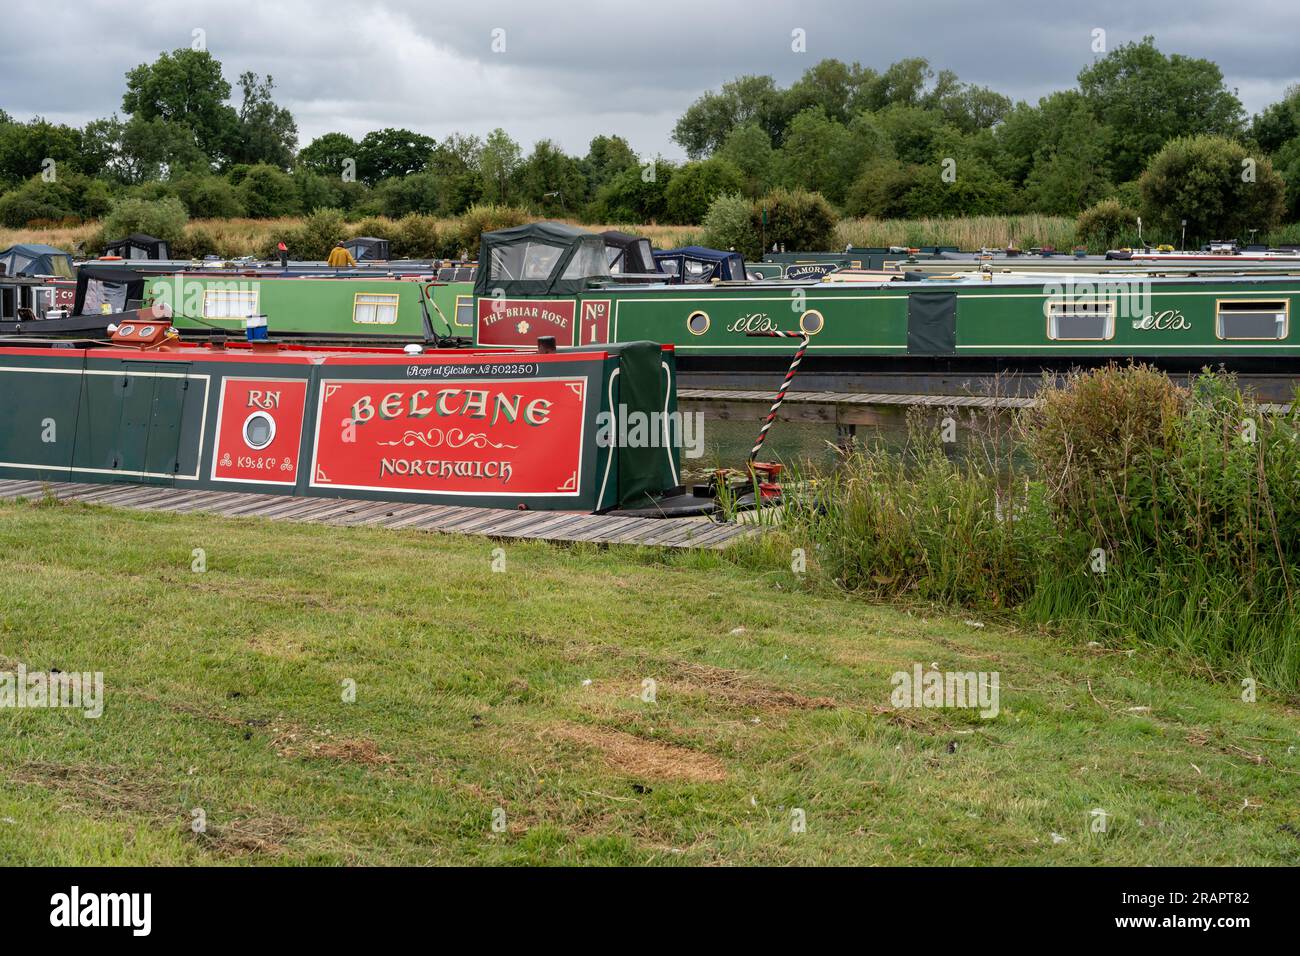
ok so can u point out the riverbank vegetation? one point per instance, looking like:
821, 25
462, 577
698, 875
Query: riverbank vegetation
1124, 508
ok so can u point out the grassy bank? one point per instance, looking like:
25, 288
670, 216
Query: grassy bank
524, 691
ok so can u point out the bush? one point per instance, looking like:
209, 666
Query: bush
419, 192
266, 191
316, 235
209, 197
196, 243
1215, 184
729, 224
476, 220
416, 238
1096, 441
1106, 225
796, 220
160, 218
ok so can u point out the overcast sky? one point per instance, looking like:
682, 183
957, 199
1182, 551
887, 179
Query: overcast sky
574, 68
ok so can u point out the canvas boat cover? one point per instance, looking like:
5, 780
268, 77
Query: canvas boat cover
367, 247
117, 287
628, 254
139, 246
540, 258
698, 264
35, 259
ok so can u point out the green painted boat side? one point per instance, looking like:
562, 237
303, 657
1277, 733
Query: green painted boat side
305, 306
1173, 318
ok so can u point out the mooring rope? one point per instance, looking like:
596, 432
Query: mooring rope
785, 386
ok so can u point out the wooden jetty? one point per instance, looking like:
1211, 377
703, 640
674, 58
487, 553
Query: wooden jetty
487, 522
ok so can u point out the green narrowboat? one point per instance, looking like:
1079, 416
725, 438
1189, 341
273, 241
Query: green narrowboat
325, 308
546, 279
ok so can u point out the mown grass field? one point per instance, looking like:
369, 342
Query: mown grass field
522, 690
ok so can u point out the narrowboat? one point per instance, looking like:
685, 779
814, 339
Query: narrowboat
519, 429
902, 327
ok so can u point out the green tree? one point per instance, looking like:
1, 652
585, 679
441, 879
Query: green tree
818, 155
636, 195
607, 156
267, 133
417, 193
498, 162
693, 187
708, 121
185, 88
328, 154
385, 153
266, 191
749, 149
1072, 163
1215, 184
551, 182
26, 147
1279, 123
1148, 98
209, 197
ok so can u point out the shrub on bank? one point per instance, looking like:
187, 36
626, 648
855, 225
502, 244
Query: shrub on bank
1128, 509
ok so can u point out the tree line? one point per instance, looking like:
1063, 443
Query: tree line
1141, 131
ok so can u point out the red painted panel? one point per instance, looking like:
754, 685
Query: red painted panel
595, 321
521, 321
517, 438
279, 401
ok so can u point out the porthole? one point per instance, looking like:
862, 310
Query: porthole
126, 330
259, 430
698, 323
147, 331
811, 322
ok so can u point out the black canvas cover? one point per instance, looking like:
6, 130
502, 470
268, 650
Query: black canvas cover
628, 254
540, 258
139, 246
932, 323
114, 286
367, 247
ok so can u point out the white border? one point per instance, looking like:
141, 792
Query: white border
390, 489
221, 407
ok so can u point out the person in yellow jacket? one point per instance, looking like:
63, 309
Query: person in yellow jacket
340, 258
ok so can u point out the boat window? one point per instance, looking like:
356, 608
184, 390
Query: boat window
697, 271
614, 256
1081, 321
669, 266
1252, 319
465, 311
375, 308
524, 260
8, 302
229, 303
697, 322
588, 262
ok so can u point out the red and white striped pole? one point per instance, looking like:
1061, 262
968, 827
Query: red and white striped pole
785, 386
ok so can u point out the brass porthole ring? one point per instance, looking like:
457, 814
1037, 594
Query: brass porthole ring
811, 322
697, 323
